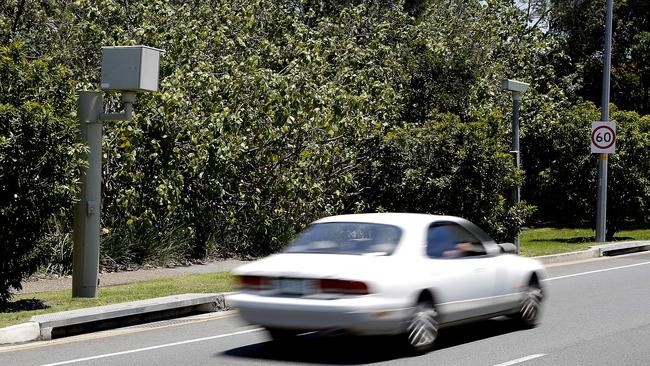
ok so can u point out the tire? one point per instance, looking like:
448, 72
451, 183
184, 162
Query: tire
422, 327
529, 310
282, 335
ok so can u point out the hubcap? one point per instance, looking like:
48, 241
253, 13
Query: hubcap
530, 305
423, 328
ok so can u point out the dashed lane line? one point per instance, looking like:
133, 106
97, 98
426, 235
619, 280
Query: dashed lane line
522, 359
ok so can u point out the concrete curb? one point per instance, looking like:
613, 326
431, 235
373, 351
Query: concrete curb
48, 326
597, 251
24, 332
61, 324
622, 247
568, 257
78, 321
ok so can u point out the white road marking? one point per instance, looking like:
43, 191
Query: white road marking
520, 360
106, 355
117, 332
597, 271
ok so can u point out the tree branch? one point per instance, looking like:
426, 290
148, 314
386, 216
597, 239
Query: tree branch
541, 17
17, 15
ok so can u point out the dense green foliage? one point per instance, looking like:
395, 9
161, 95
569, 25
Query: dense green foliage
561, 174
445, 166
272, 113
39, 157
578, 26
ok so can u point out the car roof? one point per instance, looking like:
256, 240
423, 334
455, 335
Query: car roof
391, 218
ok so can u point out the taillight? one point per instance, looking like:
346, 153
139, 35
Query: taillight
255, 282
344, 287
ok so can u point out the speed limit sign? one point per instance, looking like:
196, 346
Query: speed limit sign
603, 137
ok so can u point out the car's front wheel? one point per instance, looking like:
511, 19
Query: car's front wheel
529, 311
422, 329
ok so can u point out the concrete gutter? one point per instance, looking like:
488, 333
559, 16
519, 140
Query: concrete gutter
569, 257
55, 325
24, 332
622, 247
605, 250
66, 323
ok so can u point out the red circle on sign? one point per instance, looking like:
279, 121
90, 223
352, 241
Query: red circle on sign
593, 137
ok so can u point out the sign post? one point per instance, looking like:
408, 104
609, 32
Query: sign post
601, 208
603, 142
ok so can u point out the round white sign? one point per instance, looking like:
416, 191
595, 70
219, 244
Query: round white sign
603, 137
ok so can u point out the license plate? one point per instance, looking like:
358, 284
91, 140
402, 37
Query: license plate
293, 286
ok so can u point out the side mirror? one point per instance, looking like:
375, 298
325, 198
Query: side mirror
508, 248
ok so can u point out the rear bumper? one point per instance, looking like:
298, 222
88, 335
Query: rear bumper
360, 314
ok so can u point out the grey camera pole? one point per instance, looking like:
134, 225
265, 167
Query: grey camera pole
127, 69
516, 192
601, 212
85, 261
516, 88
87, 223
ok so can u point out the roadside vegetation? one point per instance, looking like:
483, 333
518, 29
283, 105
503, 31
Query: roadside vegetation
273, 113
544, 241
24, 306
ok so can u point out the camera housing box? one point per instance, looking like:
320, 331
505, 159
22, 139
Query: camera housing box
514, 86
130, 68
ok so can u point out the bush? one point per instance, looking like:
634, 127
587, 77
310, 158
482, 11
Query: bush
254, 136
562, 172
39, 159
448, 167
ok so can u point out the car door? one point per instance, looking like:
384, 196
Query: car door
463, 275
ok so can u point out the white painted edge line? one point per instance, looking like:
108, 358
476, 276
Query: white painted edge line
597, 271
522, 359
106, 355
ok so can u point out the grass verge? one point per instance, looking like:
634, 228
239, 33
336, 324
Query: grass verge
543, 241
23, 307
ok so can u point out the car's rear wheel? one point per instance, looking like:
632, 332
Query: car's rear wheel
422, 329
529, 311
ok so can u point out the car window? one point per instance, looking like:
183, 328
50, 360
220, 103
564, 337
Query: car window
450, 240
347, 238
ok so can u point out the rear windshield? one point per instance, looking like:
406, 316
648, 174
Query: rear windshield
347, 238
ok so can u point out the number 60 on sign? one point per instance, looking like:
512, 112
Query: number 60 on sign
603, 137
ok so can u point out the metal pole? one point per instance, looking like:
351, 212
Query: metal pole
85, 261
601, 212
516, 192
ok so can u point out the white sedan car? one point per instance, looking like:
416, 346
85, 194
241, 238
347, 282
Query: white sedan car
388, 273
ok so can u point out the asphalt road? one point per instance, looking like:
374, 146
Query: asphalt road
597, 313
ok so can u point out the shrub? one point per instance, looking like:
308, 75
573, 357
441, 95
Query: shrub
39, 159
448, 167
562, 172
